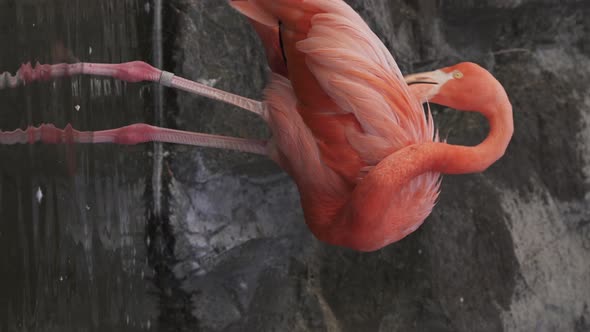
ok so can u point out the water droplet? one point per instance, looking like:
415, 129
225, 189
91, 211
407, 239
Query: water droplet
419, 251
209, 82
89, 49
461, 300
39, 195
149, 324
77, 107
87, 207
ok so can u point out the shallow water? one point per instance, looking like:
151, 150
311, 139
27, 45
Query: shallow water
73, 219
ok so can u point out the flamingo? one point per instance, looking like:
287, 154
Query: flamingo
346, 125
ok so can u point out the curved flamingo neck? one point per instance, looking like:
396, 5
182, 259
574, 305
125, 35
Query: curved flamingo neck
456, 159
363, 224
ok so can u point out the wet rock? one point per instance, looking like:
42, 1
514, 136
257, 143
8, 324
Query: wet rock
229, 251
501, 249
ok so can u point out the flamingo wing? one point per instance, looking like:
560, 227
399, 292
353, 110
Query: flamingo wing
333, 49
357, 71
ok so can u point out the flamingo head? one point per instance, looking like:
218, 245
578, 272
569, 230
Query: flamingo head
465, 86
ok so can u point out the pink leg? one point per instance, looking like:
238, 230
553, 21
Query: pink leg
133, 134
135, 71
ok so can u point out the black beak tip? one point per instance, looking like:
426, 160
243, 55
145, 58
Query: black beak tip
421, 82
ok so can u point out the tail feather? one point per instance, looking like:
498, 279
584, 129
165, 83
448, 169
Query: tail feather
267, 28
272, 46
251, 10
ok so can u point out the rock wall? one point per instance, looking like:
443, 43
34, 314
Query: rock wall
504, 250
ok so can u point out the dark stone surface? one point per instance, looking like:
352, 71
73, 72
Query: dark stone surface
489, 257
506, 250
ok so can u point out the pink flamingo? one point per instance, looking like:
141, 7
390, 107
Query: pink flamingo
347, 126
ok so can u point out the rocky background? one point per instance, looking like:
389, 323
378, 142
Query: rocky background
506, 250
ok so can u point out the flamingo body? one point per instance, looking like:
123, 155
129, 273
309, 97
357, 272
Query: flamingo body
345, 92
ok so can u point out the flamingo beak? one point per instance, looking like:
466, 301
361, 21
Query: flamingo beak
420, 82
422, 78
425, 86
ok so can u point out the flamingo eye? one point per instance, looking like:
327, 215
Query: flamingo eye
458, 75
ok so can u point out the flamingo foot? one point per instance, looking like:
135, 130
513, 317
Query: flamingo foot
129, 135
134, 71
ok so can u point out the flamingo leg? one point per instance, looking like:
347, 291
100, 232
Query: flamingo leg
130, 135
135, 71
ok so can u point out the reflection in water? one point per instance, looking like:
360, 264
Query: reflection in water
73, 234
